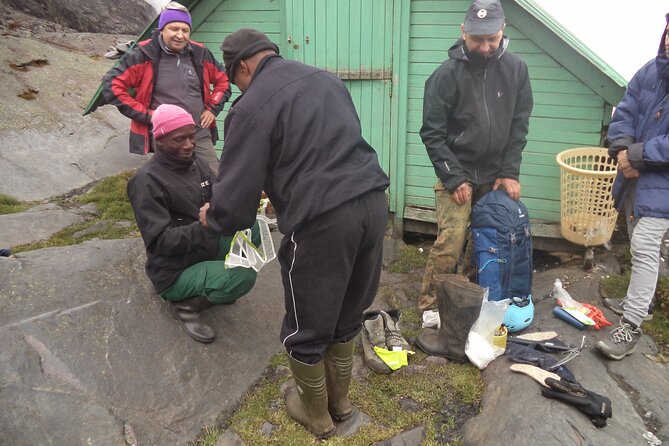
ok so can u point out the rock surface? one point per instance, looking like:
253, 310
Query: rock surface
49, 75
34, 225
514, 411
84, 338
118, 16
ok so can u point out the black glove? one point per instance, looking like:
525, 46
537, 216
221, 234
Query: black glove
596, 407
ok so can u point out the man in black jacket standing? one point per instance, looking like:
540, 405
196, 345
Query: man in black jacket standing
295, 134
185, 261
476, 112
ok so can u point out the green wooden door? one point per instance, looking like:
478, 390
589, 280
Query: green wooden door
353, 39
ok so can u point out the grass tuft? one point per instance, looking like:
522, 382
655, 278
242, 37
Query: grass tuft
410, 259
381, 397
111, 198
10, 205
113, 206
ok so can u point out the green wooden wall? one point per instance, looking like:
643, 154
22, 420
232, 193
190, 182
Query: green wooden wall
384, 50
213, 20
352, 38
566, 114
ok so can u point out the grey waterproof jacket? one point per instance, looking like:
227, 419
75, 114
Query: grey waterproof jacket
476, 117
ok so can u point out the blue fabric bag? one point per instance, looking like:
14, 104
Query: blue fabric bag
502, 246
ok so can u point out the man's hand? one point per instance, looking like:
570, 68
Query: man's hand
625, 166
462, 194
512, 187
203, 215
207, 118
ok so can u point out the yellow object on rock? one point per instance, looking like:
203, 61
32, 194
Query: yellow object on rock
393, 359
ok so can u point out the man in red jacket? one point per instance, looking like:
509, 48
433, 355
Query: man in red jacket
170, 68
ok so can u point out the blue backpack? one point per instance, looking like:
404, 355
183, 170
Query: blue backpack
502, 246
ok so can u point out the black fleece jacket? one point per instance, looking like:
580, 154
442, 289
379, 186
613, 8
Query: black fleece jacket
166, 194
476, 117
296, 135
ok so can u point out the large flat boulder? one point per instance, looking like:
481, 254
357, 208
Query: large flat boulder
34, 225
91, 356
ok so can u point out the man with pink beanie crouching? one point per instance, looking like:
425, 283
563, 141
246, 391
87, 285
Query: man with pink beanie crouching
185, 260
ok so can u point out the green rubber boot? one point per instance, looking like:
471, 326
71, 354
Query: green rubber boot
307, 401
338, 361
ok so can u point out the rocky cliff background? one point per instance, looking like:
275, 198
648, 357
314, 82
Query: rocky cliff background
117, 16
51, 64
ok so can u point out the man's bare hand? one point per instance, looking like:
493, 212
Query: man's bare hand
512, 187
207, 118
623, 162
203, 215
625, 166
462, 194
630, 172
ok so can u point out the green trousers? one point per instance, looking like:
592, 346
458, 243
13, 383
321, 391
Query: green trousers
212, 279
446, 255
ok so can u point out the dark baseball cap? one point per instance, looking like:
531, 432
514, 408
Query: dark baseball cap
243, 44
484, 17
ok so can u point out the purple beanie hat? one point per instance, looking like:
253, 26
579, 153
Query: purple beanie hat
174, 15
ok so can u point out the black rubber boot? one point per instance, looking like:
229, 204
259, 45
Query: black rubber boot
188, 313
459, 302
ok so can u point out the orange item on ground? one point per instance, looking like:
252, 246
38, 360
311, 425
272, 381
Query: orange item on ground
596, 315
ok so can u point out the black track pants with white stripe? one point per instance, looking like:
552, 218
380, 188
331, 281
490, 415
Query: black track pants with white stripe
330, 267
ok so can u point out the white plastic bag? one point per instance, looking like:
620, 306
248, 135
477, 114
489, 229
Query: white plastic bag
479, 347
431, 319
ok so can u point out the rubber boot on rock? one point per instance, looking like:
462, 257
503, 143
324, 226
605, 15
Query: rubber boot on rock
307, 401
459, 302
338, 361
188, 313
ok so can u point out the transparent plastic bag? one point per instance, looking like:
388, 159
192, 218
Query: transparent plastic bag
243, 253
479, 347
564, 299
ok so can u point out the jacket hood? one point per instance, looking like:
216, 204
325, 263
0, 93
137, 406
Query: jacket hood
664, 34
458, 52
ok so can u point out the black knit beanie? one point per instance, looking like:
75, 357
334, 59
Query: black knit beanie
241, 45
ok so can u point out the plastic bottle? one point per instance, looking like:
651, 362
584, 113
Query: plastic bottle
564, 299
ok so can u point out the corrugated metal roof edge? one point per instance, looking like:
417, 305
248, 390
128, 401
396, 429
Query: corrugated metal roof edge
544, 17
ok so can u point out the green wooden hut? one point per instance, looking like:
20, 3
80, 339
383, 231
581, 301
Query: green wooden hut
384, 50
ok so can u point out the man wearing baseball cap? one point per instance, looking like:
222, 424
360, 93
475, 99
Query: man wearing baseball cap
476, 111
170, 68
185, 261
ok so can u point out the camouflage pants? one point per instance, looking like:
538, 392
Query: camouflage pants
447, 251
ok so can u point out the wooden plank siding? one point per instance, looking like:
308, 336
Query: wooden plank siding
353, 39
227, 16
567, 113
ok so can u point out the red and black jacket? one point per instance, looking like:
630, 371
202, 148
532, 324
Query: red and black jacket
129, 87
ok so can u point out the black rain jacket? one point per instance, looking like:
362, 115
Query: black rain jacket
476, 117
166, 195
296, 135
